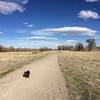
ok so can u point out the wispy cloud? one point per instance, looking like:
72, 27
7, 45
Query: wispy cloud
41, 43
37, 38
33, 43
87, 14
91, 0
97, 37
1, 33
10, 7
37, 41
25, 1
21, 31
29, 24
41, 32
70, 42
72, 30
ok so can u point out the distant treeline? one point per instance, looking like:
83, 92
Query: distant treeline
12, 49
91, 45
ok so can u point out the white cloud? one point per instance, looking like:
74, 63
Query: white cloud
86, 14
28, 24
72, 30
91, 0
25, 1
21, 31
36, 37
72, 41
41, 43
37, 42
41, 33
33, 43
97, 37
1, 33
10, 7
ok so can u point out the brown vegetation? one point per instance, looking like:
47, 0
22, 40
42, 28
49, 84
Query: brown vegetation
12, 49
82, 73
10, 61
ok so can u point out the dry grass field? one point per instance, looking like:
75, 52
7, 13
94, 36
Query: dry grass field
9, 61
82, 74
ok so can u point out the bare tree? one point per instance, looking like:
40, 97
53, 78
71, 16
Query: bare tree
79, 47
91, 44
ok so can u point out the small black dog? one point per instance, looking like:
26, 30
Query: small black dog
26, 74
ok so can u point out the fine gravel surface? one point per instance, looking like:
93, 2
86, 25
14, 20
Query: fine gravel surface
45, 83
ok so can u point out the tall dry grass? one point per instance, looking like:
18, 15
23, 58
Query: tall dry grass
82, 74
9, 61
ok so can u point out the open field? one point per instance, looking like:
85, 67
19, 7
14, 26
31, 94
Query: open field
82, 74
9, 61
45, 82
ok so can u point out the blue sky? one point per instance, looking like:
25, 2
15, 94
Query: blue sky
48, 23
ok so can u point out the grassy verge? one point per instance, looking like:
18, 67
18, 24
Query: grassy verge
82, 74
10, 61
